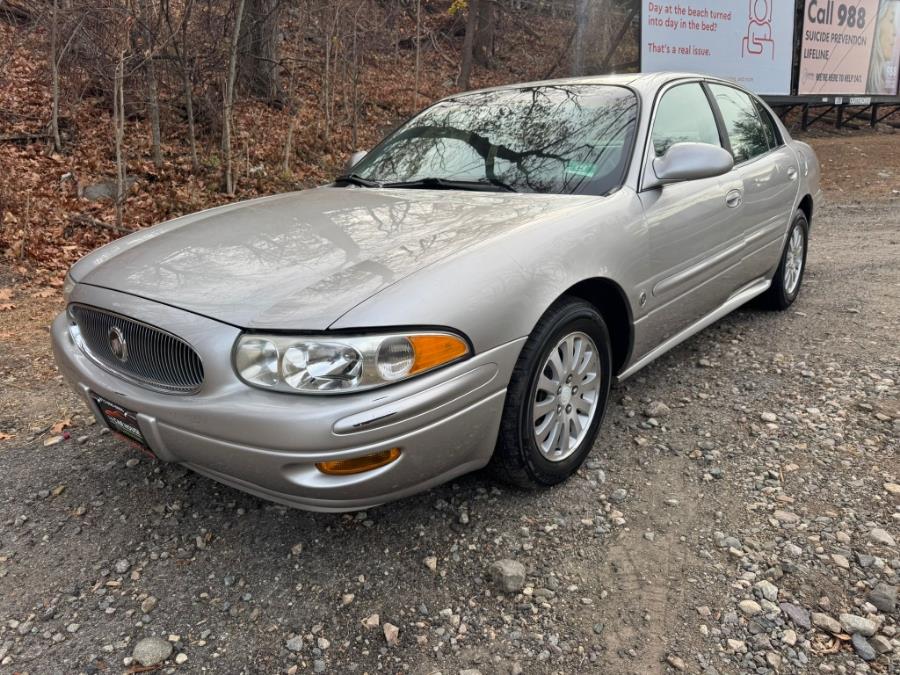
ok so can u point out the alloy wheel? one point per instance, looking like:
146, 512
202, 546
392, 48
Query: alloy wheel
566, 396
793, 263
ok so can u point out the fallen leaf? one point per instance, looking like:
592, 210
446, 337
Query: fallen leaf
6, 306
58, 490
59, 426
6, 294
52, 440
5, 437
46, 293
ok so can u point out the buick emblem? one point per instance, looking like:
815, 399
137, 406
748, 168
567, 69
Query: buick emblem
117, 344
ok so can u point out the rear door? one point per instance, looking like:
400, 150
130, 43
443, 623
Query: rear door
768, 170
694, 231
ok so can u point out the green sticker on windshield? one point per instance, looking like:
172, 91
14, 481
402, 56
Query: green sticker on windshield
585, 169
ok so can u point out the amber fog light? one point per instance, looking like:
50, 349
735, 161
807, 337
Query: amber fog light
346, 467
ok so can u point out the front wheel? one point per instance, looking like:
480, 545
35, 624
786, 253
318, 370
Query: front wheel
789, 276
556, 397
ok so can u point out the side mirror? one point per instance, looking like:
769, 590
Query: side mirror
354, 160
690, 161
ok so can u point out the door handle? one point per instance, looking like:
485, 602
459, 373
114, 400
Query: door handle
792, 173
734, 199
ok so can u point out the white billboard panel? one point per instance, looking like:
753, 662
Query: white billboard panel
747, 41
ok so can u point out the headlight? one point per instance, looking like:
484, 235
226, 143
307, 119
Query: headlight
68, 287
335, 363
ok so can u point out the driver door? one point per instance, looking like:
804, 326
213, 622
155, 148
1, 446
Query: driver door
695, 233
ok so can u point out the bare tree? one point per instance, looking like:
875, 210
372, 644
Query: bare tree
355, 80
229, 99
119, 132
54, 77
593, 35
483, 47
148, 35
465, 70
259, 59
327, 80
181, 47
418, 51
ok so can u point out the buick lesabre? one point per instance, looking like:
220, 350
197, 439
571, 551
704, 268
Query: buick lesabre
465, 295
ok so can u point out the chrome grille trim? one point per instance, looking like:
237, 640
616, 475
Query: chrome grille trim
156, 359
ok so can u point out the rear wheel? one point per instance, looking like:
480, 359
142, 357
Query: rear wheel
788, 278
556, 398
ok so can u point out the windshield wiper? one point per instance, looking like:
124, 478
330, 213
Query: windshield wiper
356, 179
448, 184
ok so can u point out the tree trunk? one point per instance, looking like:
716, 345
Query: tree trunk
54, 77
189, 111
326, 82
418, 52
259, 50
153, 109
229, 99
581, 21
119, 129
181, 50
594, 27
465, 69
146, 17
484, 35
188, 83
355, 97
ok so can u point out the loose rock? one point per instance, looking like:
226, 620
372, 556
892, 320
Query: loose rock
391, 633
798, 615
825, 622
676, 662
882, 537
863, 648
857, 624
884, 597
509, 575
151, 651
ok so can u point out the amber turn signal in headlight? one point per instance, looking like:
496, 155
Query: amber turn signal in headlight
347, 467
431, 351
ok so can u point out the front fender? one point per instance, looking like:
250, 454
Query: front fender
496, 292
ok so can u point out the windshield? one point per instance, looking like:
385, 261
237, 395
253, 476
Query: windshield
563, 139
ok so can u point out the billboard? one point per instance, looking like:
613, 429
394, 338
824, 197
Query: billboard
747, 41
850, 47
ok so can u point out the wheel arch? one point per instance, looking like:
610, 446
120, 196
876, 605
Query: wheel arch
610, 300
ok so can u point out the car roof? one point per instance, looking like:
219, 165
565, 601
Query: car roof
643, 82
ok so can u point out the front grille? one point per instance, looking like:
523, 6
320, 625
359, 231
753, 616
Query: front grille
152, 357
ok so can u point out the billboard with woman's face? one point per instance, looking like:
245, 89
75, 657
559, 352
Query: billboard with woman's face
885, 61
850, 47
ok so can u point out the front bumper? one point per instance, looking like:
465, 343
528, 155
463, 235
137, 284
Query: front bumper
267, 443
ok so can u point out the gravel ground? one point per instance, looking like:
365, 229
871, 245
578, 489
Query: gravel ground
740, 514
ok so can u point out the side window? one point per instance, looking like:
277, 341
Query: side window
748, 135
772, 133
683, 115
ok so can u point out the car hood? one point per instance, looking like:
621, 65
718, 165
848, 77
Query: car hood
301, 260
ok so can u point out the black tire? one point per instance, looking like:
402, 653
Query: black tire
777, 298
517, 458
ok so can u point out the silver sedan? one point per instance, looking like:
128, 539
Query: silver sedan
465, 295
